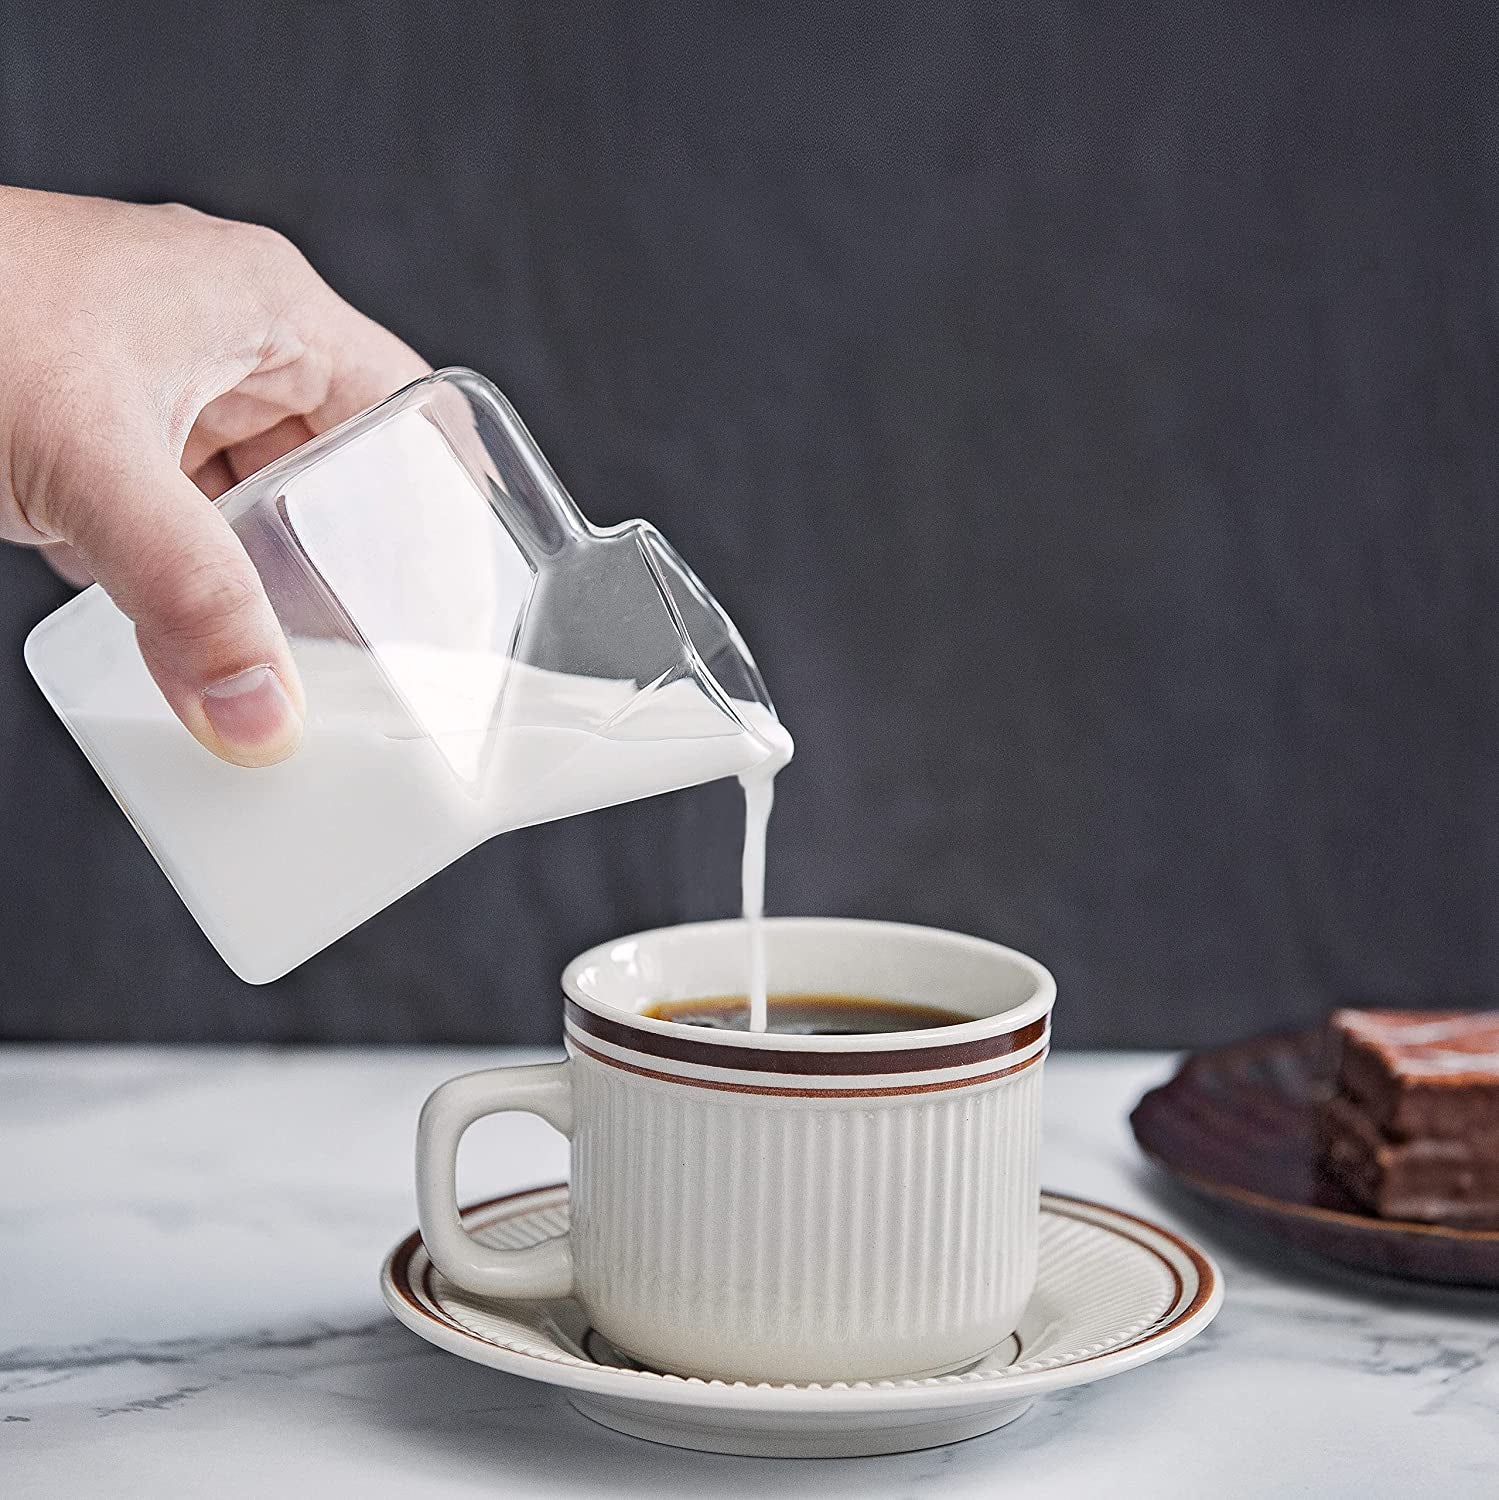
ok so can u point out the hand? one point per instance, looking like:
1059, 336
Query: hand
151, 357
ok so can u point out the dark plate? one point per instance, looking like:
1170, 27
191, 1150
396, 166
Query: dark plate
1236, 1126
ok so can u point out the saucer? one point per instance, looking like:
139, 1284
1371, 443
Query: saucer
1112, 1292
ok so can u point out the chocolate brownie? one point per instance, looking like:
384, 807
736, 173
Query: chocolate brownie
1433, 1181
1421, 1073
1412, 1131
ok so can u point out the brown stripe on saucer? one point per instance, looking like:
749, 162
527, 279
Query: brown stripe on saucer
708, 1054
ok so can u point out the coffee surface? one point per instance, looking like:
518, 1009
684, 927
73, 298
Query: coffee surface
808, 1015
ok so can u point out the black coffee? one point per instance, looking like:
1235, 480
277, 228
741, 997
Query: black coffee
808, 1015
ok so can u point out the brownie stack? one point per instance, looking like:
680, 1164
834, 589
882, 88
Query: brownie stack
1412, 1131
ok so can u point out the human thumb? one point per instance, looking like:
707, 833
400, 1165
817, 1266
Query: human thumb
172, 563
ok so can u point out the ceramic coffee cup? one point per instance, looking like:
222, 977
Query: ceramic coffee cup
777, 1206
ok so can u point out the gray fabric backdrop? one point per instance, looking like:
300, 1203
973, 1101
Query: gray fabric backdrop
1089, 413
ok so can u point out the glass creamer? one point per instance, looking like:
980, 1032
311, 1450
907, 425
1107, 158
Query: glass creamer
476, 657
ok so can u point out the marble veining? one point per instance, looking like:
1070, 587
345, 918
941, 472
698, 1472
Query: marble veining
189, 1242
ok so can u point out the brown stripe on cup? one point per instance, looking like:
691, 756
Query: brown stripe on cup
889, 1059
788, 1091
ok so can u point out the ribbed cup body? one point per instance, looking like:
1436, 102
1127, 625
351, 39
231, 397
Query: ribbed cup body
751, 1235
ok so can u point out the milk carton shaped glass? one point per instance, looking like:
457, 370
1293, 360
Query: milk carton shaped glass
476, 657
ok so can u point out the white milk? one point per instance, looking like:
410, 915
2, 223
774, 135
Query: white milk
759, 786
276, 863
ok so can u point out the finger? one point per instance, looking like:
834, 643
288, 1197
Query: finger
366, 362
259, 404
175, 567
214, 477
224, 470
227, 420
252, 455
348, 364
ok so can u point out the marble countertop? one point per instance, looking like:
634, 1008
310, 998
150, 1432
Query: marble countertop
189, 1243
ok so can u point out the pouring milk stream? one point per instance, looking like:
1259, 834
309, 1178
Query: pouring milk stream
476, 657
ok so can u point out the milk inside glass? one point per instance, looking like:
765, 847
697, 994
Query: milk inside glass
475, 657
271, 860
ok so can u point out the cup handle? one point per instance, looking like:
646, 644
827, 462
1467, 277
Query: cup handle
544, 1270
